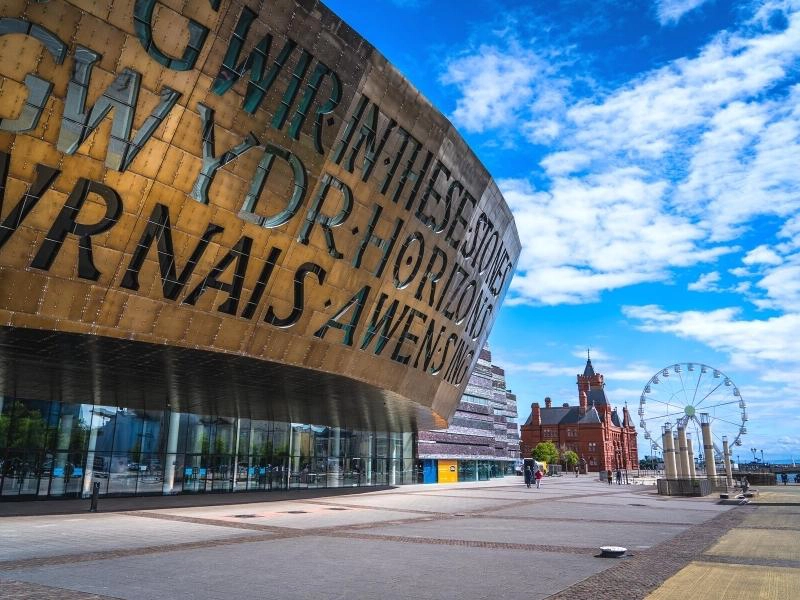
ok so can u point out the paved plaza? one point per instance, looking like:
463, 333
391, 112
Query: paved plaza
494, 539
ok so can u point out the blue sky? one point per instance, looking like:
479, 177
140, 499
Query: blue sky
650, 151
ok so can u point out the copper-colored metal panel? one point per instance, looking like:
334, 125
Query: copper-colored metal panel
251, 187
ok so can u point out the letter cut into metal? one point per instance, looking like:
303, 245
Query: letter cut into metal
43, 179
66, 222
38, 89
121, 96
142, 24
211, 162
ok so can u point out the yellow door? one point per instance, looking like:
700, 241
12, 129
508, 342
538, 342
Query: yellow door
448, 471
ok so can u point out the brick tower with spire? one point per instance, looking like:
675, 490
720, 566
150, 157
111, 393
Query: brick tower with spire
593, 429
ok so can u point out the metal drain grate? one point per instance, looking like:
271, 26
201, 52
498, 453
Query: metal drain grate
296, 512
244, 516
645, 505
336, 509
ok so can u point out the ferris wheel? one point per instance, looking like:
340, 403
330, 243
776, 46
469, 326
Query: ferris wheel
680, 393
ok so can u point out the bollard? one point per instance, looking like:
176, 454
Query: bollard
95, 496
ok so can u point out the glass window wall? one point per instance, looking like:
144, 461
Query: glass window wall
57, 449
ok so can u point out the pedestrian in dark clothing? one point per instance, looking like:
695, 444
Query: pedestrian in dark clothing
785, 478
528, 476
576, 470
538, 478
619, 477
610, 478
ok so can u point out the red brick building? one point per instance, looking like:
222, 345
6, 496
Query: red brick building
592, 429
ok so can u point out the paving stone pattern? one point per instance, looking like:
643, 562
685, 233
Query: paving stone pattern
432, 542
757, 559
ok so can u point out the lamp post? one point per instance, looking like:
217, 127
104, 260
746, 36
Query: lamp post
762, 456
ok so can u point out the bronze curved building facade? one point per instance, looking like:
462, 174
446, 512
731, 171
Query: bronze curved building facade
218, 220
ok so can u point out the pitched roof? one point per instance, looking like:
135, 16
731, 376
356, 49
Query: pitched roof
554, 416
597, 397
615, 418
589, 370
590, 417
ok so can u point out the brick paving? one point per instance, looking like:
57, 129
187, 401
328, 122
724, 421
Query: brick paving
757, 559
634, 577
426, 532
20, 590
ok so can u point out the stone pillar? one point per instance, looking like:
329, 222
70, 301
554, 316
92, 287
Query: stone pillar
683, 453
726, 457
88, 470
368, 459
690, 453
334, 460
708, 446
235, 477
678, 464
669, 453
392, 462
64, 437
172, 453
58, 484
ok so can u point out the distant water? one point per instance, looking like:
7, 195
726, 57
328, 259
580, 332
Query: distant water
783, 460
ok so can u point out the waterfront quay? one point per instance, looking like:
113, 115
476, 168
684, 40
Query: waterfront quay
470, 540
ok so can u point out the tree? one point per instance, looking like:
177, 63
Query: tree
546, 452
570, 457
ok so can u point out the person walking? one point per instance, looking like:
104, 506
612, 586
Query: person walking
576, 470
785, 478
528, 476
610, 477
538, 478
619, 476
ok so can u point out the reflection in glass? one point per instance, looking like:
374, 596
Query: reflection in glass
61, 449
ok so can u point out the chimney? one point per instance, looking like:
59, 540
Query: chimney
548, 403
626, 417
536, 415
584, 401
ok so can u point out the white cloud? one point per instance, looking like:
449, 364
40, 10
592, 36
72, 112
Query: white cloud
659, 174
603, 232
596, 353
706, 283
757, 344
742, 166
495, 86
671, 11
762, 255
782, 285
740, 272
768, 349
633, 372
542, 369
